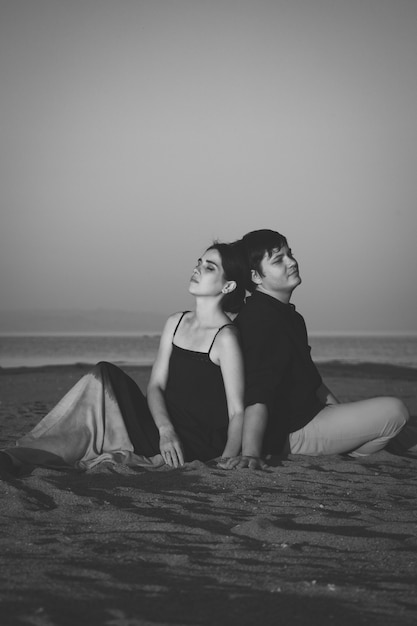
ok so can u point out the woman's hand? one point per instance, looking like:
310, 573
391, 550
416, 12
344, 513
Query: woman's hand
240, 462
227, 462
170, 446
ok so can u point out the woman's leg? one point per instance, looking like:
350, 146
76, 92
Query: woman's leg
360, 428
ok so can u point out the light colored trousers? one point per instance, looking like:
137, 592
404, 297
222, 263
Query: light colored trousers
358, 428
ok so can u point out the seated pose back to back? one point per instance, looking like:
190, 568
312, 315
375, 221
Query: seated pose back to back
194, 406
288, 407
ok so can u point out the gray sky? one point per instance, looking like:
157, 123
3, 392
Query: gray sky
134, 132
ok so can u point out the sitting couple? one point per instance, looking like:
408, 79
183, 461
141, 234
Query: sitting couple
239, 390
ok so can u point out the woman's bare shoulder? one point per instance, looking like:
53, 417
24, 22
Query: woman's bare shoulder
227, 335
173, 320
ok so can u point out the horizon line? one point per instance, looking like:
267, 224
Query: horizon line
133, 332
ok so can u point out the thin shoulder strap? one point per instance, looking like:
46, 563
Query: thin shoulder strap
179, 322
214, 338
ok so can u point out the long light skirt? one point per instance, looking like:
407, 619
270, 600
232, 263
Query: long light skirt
88, 426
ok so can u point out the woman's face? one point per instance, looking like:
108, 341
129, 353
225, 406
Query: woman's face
208, 277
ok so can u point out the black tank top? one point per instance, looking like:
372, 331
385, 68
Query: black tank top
196, 401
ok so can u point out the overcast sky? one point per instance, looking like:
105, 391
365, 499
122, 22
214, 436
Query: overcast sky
133, 132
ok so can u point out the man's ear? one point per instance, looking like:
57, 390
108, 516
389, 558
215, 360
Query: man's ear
256, 278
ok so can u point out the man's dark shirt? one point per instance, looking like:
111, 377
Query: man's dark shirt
279, 371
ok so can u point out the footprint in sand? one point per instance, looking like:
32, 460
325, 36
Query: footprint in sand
262, 529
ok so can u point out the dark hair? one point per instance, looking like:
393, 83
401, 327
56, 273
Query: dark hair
256, 244
235, 268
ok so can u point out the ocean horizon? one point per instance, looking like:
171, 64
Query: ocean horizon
19, 349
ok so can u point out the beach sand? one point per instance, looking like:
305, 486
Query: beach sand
324, 540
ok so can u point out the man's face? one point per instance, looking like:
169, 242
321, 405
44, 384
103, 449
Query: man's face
279, 274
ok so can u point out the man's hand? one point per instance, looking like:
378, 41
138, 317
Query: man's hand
170, 447
241, 462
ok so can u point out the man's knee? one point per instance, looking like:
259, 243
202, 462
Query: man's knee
397, 410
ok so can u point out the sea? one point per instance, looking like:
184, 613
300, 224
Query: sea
35, 350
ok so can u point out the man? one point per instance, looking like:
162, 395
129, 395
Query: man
288, 407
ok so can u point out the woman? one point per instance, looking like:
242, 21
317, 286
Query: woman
194, 405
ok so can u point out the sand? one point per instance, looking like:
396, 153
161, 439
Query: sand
325, 540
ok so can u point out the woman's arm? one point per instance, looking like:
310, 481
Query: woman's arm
255, 421
169, 443
228, 354
266, 354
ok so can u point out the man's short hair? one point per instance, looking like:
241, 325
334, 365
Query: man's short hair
256, 244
